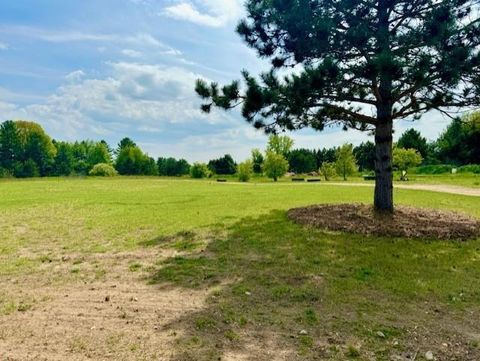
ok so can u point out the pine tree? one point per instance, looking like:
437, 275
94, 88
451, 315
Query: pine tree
360, 64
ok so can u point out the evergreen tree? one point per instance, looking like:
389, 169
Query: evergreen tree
302, 161
325, 155
365, 155
64, 160
460, 143
412, 139
125, 142
10, 145
399, 58
257, 160
225, 165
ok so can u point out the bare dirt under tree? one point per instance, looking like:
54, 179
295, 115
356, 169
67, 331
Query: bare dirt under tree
405, 222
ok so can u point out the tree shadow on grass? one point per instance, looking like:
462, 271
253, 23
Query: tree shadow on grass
282, 291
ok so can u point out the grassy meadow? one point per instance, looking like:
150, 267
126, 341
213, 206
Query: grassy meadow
302, 293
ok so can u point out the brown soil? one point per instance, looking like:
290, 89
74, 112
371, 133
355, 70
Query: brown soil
406, 222
109, 315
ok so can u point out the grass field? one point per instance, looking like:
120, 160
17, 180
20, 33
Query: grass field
148, 269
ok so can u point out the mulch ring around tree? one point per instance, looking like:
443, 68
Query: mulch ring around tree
406, 222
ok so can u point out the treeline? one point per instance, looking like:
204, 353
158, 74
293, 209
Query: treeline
27, 151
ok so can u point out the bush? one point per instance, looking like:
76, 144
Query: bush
434, 169
27, 169
244, 171
404, 159
328, 170
199, 170
5, 173
470, 168
103, 170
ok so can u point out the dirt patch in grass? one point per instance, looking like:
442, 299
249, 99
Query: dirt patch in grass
84, 307
406, 222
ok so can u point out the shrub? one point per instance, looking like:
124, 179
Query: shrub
328, 170
434, 169
103, 170
469, 168
26, 169
5, 173
199, 170
404, 159
244, 171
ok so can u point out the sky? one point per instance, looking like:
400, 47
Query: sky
106, 69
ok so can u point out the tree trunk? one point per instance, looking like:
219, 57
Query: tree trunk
383, 200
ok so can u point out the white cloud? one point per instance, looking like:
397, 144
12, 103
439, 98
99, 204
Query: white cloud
75, 76
212, 13
67, 36
132, 53
134, 97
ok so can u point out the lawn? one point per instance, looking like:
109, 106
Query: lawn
221, 273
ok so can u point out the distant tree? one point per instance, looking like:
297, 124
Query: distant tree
183, 167
275, 165
37, 146
460, 143
125, 142
302, 161
325, 155
404, 159
199, 170
412, 139
346, 164
225, 165
365, 156
26, 169
171, 167
398, 58
149, 166
64, 159
257, 159
97, 154
132, 161
245, 171
167, 167
328, 170
110, 150
10, 145
280, 144
80, 152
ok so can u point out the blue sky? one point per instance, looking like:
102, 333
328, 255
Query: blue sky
105, 69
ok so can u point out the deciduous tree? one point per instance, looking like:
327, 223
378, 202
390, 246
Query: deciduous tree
346, 164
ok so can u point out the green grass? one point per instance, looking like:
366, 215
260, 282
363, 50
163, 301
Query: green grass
270, 275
